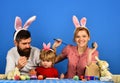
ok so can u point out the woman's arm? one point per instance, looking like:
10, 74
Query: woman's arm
56, 44
59, 58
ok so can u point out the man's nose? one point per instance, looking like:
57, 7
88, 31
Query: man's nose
28, 45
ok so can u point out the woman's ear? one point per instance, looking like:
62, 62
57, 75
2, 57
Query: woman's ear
89, 39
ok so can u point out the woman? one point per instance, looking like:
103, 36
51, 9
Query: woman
78, 56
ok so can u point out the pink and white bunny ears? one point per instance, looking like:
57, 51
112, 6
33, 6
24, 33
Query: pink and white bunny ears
18, 24
82, 22
47, 46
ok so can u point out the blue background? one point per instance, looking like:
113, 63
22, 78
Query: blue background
54, 20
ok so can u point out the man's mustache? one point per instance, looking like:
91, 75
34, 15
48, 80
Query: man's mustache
24, 52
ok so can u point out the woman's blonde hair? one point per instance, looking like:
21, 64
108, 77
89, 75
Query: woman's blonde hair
48, 55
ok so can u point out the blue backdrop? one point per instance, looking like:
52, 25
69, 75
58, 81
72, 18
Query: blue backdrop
54, 20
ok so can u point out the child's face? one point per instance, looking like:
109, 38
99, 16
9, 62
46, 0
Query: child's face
46, 63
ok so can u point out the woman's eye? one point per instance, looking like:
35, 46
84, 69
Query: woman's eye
77, 36
84, 36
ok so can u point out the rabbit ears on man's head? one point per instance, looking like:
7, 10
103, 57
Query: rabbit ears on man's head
82, 22
18, 24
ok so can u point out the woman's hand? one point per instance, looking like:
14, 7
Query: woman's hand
57, 43
95, 46
92, 50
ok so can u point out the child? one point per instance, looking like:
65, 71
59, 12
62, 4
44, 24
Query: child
47, 57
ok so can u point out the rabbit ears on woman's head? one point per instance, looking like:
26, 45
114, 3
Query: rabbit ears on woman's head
82, 22
18, 23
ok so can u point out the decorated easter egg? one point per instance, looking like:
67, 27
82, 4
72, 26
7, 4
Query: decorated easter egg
16, 77
33, 77
22, 77
40, 77
27, 77
76, 77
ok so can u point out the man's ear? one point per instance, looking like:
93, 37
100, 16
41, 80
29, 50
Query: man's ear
15, 42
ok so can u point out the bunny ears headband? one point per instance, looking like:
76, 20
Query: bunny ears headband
47, 46
78, 24
18, 24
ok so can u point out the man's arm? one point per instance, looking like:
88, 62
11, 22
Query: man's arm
10, 64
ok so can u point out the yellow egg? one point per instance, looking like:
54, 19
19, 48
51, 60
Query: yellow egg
22, 77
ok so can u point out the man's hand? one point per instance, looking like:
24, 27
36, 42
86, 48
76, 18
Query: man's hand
22, 62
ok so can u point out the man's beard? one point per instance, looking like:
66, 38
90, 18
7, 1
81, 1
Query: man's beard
24, 52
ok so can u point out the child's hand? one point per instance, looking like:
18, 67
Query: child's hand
62, 76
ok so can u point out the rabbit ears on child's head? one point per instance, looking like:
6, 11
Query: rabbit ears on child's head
18, 24
82, 22
47, 46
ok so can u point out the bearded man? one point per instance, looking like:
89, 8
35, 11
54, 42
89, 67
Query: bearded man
23, 56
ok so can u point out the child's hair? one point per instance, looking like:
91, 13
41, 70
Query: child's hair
48, 55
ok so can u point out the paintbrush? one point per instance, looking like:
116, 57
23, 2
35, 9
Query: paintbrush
59, 41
